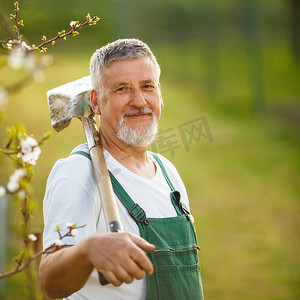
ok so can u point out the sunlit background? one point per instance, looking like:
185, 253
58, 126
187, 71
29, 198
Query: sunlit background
231, 88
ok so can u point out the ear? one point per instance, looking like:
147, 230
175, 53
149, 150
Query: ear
95, 102
160, 97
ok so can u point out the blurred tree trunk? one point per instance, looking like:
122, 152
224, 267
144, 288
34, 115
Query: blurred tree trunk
251, 29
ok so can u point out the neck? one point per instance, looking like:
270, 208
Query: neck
134, 159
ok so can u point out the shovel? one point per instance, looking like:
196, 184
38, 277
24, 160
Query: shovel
73, 100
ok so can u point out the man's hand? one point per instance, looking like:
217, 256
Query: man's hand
120, 257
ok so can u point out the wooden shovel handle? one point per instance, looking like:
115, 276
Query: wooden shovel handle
106, 192
102, 178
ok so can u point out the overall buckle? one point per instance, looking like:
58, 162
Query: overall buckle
140, 215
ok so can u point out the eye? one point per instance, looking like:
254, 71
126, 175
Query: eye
148, 86
122, 89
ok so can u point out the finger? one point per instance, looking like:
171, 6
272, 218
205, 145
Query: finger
112, 278
133, 269
122, 274
143, 261
142, 243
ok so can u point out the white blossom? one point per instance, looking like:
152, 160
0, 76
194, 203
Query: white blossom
13, 186
32, 157
18, 174
58, 242
32, 237
9, 44
2, 191
13, 43
73, 24
74, 233
3, 97
18, 55
24, 46
29, 152
16, 58
14, 180
30, 141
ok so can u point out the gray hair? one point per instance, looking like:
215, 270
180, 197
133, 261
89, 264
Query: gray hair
122, 49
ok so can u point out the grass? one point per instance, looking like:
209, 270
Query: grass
243, 187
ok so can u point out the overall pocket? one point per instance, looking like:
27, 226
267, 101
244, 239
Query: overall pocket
176, 276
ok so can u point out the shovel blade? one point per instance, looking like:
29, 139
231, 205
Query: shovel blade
65, 101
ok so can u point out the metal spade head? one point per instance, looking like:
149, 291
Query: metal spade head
66, 101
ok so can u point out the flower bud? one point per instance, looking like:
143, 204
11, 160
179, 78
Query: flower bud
32, 237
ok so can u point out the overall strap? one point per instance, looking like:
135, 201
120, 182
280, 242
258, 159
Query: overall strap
87, 155
179, 206
165, 174
135, 211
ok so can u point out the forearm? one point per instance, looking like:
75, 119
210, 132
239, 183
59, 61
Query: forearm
64, 271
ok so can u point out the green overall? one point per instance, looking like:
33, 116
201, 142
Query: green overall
175, 260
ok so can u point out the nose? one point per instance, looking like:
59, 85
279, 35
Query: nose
137, 98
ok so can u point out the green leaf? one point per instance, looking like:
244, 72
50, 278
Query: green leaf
47, 135
16, 5
43, 50
61, 32
57, 228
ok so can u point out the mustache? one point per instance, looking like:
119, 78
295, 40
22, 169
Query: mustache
138, 111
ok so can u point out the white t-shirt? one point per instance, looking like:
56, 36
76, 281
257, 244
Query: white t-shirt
71, 196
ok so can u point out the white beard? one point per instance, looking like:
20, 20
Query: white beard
137, 137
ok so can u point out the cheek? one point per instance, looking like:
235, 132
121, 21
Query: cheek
111, 112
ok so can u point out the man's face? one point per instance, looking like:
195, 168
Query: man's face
130, 96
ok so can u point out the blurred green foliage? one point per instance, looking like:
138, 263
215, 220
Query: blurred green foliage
231, 61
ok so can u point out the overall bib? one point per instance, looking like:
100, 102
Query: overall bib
176, 266
175, 260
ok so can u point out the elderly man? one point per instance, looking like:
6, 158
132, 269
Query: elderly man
156, 257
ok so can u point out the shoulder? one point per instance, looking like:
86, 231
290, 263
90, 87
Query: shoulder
74, 167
